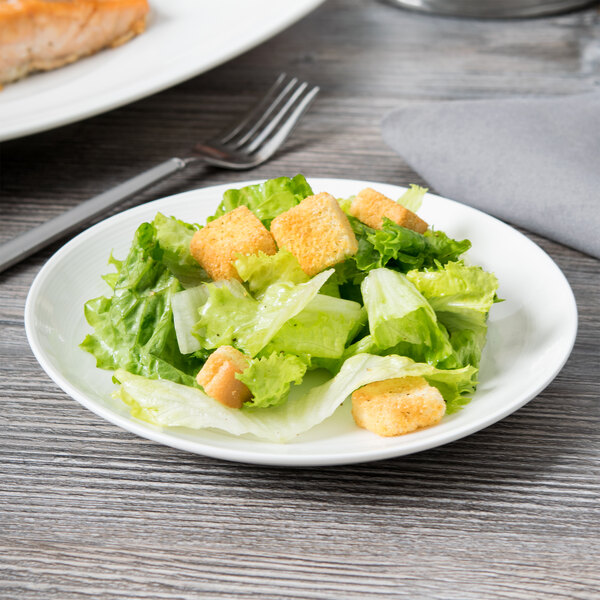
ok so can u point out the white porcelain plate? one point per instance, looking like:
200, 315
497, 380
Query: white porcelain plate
531, 333
184, 38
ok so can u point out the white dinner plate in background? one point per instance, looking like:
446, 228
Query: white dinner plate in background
531, 333
184, 38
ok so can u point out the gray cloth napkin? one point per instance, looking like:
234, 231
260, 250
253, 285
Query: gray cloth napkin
531, 162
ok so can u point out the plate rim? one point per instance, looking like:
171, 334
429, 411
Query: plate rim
285, 459
97, 104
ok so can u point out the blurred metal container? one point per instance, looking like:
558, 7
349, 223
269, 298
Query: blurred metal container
492, 8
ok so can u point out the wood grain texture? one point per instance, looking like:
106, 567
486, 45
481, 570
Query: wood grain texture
88, 511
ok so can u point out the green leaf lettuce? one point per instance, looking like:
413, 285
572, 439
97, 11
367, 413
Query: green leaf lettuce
133, 329
403, 249
174, 237
269, 378
461, 297
266, 200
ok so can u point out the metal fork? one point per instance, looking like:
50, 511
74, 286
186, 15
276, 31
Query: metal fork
248, 144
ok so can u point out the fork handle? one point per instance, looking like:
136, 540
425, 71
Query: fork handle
39, 237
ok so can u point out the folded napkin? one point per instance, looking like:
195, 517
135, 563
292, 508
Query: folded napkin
532, 162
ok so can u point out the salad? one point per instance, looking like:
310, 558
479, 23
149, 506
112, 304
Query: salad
286, 303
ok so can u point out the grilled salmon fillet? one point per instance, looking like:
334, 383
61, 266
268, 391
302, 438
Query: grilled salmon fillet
38, 35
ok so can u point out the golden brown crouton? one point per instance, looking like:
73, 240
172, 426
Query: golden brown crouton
316, 232
217, 377
217, 245
370, 207
397, 406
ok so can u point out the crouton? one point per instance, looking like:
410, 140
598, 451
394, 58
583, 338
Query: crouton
397, 406
316, 232
370, 207
217, 245
217, 377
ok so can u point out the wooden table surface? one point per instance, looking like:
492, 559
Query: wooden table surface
90, 511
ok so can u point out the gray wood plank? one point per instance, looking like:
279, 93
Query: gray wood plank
90, 511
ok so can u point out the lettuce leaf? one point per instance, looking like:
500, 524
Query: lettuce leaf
174, 237
165, 403
133, 329
228, 309
461, 297
401, 318
403, 249
261, 270
112, 278
232, 316
345, 281
413, 197
186, 305
346, 203
269, 378
322, 329
468, 345
266, 200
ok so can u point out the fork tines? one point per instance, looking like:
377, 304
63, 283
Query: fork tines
269, 123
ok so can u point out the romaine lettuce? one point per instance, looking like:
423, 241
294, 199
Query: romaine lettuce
266, 200
133, 329
174, 237
228, 309
403, 249
413, 197
461, 296
260, 270
238, 319
322, 329
186, 305
400, 317
269, 378
165, 403
164, 319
